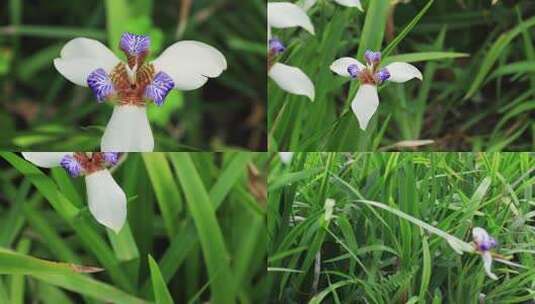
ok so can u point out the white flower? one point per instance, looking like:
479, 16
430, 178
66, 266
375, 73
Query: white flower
370, 76
286, 157
349, 3
185, 65
288, 78
483, 244
106, 199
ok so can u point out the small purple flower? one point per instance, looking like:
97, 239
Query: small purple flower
158, 89
134, 45
73, 167
382, 75
372, 57
100, 83
276, 46
353, 70
111, 158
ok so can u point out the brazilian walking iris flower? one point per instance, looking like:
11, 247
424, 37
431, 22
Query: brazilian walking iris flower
370, 76
106, 199
185, 65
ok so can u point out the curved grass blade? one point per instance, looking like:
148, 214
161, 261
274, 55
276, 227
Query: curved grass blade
161, 293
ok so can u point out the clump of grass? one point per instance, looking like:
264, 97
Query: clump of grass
184, 241
477, 90
398, 227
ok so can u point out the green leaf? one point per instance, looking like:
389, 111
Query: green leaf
161, 293
214, 250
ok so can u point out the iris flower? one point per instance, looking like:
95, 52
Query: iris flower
106, 199
371, 75
349, 3
483, 243
185, 65
288, 78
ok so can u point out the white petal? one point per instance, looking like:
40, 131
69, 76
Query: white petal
350, 3
339, 66
365, 104
402, 72
292, 80
480, 235
286, 157
285, 14
191, 63
308, 4
487, 264
45, 159
128, 131
107, 201
81, 56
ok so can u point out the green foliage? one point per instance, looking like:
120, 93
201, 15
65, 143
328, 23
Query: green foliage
401, 227
185, 210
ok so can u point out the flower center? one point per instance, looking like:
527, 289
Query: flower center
81, 163
370, 74
275, 48
135, 82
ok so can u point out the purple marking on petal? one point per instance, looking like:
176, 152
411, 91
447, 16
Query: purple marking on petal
112, 158
73, 167
158, 89
493, 243
133, 44
382, 75
276, 46
101, 84
353, 70
372, 57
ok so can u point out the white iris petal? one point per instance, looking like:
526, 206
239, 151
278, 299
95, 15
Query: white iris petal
128, 130
365, 104
45, 159
106, 200
340, 66
81, 56
285, 15
402, 72
292, 80
190, 64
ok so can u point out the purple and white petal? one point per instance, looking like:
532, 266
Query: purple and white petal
341, 66
134, 45
285, 15
487, 264
372, 57
365, 104
158, 89
106, 200
111, 158
71, 165
128, 131
81, 56
276, 46
101, 85
45, 159
401, 72
292, 80
190, 64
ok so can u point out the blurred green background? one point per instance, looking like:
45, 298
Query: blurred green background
42, 111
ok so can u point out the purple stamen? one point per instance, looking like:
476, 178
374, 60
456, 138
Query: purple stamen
276, 46
101, 84
372, 57
158, 89
112, 158
353, 70
73, 167
134, 45
382, 75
